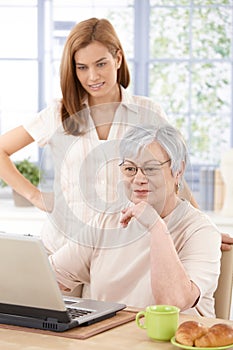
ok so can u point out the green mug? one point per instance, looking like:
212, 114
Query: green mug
161, 321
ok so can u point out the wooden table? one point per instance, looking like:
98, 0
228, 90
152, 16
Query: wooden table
127, 336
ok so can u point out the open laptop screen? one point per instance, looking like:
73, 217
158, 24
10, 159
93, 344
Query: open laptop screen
29, 293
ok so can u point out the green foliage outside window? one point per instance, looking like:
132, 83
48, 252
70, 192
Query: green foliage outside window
191, 71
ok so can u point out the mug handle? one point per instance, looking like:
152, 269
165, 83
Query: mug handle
138, 317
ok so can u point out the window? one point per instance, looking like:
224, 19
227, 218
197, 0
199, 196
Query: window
18, 65
190, 71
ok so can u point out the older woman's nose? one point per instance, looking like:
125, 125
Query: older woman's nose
139, 176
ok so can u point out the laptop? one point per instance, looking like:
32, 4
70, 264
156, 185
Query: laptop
29, 293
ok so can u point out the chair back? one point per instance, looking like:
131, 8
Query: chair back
223, 293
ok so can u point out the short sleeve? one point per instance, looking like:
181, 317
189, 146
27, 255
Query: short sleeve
44, 124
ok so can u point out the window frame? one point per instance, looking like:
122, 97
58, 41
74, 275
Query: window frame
142, 57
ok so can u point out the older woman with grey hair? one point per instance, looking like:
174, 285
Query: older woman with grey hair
156, 249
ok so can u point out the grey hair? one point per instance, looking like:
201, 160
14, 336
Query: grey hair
169, 138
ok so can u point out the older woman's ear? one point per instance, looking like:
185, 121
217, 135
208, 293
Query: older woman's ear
178, 178
180, 173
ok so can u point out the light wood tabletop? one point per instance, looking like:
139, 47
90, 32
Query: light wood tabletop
127, 336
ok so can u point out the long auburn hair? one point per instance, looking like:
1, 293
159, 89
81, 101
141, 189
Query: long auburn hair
73, 94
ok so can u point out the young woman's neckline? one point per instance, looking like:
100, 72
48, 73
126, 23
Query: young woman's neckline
98, 111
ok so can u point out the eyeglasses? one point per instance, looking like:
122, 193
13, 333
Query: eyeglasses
149, 169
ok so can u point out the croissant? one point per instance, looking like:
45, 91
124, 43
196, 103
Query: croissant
217, 335
188, 331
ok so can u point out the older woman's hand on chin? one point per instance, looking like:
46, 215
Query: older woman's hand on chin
143, 212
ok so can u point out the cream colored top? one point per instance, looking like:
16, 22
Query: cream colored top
115, 261
86, 176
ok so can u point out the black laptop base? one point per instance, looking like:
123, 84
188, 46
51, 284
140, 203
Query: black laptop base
49, 324
30, 322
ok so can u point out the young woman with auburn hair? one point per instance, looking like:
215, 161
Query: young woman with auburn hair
83, 34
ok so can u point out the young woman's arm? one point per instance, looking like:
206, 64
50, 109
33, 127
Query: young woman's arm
11, 142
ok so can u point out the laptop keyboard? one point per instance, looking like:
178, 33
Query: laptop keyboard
74, 313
